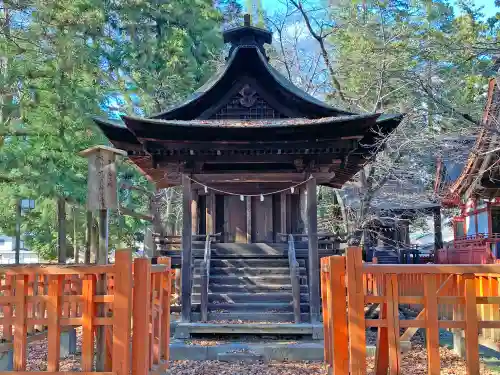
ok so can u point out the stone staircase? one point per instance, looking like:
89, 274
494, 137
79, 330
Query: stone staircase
250, 283
386, 256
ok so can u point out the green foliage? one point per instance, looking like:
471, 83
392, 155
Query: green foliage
60, 62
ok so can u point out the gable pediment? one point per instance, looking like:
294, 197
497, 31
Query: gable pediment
246, 101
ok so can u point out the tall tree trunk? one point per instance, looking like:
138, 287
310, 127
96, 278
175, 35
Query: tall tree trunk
88, 240
76, 250
61, 232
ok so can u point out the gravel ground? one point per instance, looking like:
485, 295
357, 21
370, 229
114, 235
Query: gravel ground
414, 362
224, 368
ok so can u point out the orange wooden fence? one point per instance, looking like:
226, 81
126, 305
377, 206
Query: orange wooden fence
459, 297
126, 301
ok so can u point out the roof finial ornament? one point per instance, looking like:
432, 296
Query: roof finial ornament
247, 20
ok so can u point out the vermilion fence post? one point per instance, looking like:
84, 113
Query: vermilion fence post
471, 326
56, 283
392, 296
88, 314
431, 325
7, 309
122, 312
141, 315
165, 318
327, 334
356, 318
20, 327
338, 314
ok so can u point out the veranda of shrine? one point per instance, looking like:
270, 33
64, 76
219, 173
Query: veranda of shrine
249, 150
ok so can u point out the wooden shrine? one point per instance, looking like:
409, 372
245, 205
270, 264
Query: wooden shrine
246, 133
473, 186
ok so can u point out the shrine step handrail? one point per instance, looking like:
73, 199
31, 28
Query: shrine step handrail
294, 277
205, 278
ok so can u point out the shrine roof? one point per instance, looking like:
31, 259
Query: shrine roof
326, 128
248, 64
479, 166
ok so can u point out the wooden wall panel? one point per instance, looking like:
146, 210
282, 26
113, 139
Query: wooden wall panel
262, 228
237, 219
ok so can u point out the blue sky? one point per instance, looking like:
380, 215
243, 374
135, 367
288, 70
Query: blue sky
489, 6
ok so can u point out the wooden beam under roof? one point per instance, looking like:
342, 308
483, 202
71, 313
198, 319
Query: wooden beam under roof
260, 177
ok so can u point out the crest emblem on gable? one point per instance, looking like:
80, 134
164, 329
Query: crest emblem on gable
248, 96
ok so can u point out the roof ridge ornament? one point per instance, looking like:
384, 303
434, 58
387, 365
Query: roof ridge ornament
247, 36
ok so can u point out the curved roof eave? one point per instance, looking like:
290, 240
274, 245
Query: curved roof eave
265, 123
481, 145
278, 77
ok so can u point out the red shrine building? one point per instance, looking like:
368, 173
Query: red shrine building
249, 149
473, 188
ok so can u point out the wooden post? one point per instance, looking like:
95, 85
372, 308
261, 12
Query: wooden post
194, 212
122, 311
186, 270
88, 313
458, 314
471, 326
210, 213
283, 213
356, 316
141, 315
325, 303
392, 295
337, 306
312, 232
249, 219
382, 351
20, 324
431, 325
495, 332
166, 291
56, 283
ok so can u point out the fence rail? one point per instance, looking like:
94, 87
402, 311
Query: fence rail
464, 298
99, 300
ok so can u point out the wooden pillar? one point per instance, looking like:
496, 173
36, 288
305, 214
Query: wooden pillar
438, 235
210, 213
303, 225
194, 212
312, 232
283, 201
226, 234
249, 219
186, 250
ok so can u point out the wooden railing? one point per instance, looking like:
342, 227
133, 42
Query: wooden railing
61, 297
295, 278
205, 279
326, 241
470, 293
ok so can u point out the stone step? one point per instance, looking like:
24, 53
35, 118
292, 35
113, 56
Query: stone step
250, 289
253, 280
243, 356
248, 271
184, 330
251, 262
270, 351
259, 307
255, 297
252, 316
